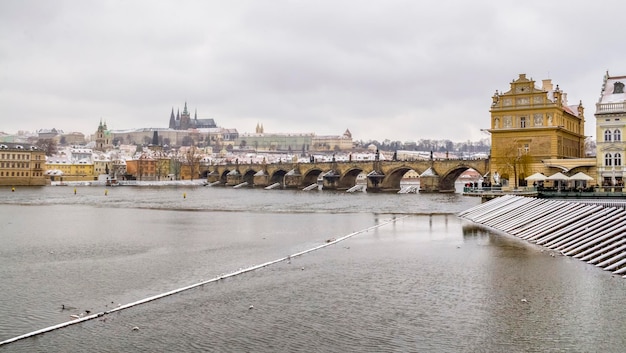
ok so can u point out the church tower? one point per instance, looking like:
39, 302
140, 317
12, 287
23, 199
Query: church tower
103, 137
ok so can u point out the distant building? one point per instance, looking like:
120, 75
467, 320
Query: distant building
293, 142
610, 126
185, 122
73, 138
49, 134
332, 142
535, 130
21, 164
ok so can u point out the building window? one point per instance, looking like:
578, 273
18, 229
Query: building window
617, 135
618, 87
607, 135
608, 158
522, 122
618, 159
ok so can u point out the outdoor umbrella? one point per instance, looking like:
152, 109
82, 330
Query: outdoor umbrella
558, 177
580, 176
536, 177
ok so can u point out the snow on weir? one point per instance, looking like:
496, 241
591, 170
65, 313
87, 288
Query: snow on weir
592, 232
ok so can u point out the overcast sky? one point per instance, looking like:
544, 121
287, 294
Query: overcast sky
391, 69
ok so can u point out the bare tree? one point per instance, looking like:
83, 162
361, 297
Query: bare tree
191, 161
514, 159
49, 146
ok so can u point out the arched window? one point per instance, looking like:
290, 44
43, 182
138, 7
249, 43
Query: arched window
617, 135
607, 135
618, 159
608, 159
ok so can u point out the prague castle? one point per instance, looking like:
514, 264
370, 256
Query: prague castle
185, 122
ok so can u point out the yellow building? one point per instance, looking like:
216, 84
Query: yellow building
21, 165
535, 130
610, 125
63, 169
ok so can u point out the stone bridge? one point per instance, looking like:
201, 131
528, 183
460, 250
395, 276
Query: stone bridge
435, 175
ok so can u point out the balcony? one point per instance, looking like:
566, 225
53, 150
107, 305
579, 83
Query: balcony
610, 107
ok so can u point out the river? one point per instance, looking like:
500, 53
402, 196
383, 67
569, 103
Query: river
412, 278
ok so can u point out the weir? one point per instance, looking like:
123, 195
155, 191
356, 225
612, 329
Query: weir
592, 232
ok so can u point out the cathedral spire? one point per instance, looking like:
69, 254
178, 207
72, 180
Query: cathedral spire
172, 120
185, 110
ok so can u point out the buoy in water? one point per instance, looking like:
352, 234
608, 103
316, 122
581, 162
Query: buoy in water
12, 189
184, 195
106, 192
74, 191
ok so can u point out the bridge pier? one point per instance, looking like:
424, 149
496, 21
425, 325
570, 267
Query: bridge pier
293, 181
331, 180
374, 180
234, 178
429, 183
261, 179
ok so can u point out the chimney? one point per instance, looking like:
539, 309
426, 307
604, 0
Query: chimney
547, 85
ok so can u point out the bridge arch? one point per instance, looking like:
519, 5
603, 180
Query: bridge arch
446, 181
393, 178
348, 178
278, 176
248, 177
311, 176
224, 176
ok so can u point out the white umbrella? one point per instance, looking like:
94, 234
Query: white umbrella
536, 177
558, 176
580, 176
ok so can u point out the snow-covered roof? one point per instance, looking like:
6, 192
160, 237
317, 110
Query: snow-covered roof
608, 92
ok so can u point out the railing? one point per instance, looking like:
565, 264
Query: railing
610, 107
497, 190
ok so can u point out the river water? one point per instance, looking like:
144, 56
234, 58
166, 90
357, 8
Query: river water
423, 281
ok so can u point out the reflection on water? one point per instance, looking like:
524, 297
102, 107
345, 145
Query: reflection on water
429, 282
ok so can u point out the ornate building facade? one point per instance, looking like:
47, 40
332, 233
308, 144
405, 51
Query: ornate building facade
535, 130
610, 127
